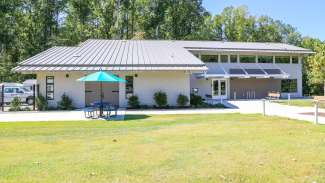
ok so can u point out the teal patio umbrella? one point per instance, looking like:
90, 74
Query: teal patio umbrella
101, 77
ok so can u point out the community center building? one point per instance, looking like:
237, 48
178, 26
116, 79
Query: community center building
212, 69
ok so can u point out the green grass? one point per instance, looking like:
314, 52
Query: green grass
300, 102
173, 148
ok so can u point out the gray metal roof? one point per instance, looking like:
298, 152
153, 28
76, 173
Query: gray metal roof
136, 55
243, 46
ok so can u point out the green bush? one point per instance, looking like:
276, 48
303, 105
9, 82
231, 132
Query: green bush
182, 100
196, 100
133, 102
160, 98
15, 104
65, 103
41, 103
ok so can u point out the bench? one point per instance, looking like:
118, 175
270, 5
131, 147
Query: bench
273, 95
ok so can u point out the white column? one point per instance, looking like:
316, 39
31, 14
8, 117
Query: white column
122, 99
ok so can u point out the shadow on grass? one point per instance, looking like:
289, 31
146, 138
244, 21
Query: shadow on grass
135, 117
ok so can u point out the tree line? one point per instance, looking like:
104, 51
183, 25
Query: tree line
31, 26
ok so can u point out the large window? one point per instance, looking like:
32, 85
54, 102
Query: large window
50, 87
247, 59
210, 58
128, 86
289, 85
294, 60
265, 59
233, 58
282, 59
224, 58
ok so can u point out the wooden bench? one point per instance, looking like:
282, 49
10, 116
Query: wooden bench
274, 95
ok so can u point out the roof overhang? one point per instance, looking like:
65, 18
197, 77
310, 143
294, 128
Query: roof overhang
260, 71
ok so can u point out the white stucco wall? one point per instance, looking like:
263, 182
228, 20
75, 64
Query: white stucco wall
145, 85
62, 84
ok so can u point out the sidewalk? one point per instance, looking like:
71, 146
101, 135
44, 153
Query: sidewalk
275, 109
244, 107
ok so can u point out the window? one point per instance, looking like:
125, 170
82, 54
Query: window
209, 58
195, 91
129, 86
9, 90
233, 58
265, 59
294, 60
282, 59
289, 85
247, 59
224, 58
50, 87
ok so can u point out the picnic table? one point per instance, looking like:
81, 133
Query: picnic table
100, 107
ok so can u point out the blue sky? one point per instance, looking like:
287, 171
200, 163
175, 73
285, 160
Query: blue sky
308, 16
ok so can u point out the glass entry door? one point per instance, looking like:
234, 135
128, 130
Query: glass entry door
219, 89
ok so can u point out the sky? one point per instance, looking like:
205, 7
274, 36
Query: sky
308, 16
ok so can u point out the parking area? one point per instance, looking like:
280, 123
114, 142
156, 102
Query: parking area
18, 97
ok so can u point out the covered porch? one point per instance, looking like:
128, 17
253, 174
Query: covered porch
238, 81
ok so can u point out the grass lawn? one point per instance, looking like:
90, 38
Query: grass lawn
173, 148
300, 102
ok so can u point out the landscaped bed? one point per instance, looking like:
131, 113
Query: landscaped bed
167, 148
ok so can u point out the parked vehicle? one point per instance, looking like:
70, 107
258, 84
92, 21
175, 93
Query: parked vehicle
12, 90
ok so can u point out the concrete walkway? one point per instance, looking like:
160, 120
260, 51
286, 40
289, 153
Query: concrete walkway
275, 109
244, 107
30, 116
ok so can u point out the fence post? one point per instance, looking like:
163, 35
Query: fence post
34, 98
3, 98
263, 107
316, 111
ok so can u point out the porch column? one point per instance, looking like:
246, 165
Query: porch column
122, 99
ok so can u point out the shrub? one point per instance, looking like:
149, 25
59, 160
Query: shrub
196, 100
15, 104
133, 102
65, 103
41, 103
160, 98
182, 100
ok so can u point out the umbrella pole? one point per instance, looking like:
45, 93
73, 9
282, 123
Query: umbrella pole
101, 99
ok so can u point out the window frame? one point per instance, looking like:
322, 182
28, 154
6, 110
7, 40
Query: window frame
247, 56
231, 59
294, 61
210, 60
265, 61
277, 61
47, 91
129, 83
291, 86
224, 56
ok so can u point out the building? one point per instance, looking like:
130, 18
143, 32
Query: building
211, 69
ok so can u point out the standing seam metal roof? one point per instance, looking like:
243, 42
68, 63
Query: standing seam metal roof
138, 55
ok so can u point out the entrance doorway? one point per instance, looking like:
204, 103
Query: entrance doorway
110, 93
219, 89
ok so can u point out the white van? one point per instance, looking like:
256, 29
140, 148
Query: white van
16, 90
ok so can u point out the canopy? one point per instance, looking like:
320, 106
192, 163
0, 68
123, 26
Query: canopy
102, 76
